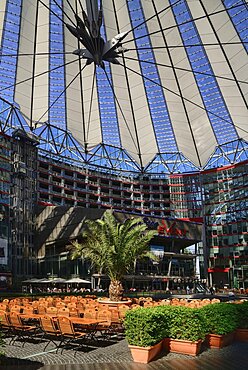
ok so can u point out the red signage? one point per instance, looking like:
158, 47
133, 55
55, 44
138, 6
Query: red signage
219, 269
163, 229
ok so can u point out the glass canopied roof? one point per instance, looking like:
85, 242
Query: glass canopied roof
157, 86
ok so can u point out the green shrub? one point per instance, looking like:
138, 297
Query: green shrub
148, 326
221, 318
242, 315
185, 323
145, 327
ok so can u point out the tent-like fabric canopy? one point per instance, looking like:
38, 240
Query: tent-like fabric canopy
151, 77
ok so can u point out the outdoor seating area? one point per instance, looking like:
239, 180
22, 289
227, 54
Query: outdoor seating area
71, 321
75, 320
83, 330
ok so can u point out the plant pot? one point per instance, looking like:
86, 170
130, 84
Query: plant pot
186, 347
241, 335
145, 354
219, 341
166, 344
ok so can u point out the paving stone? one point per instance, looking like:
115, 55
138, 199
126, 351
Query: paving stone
116, 356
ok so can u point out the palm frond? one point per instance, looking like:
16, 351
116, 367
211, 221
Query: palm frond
114, 247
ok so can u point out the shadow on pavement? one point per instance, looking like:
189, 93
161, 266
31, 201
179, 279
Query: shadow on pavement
12, 363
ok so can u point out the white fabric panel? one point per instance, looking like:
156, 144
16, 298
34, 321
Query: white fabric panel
2, 15
201, 129
40, 103
237, 57
145, 134
23, 92
78, 111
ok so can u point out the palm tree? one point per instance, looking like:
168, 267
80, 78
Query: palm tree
113, 248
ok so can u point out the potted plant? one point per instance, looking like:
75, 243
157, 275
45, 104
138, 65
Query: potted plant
145, 329
187, 329
241, 333
221, 322
114, 248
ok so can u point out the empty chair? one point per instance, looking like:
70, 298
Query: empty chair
73, 312
41, 309
63, 311
28, 310
6, 327
50, 331
103, 306
124, 308
52, 310
90, 314
60, 304
21, 330
68, 334
3, 307
42, 299
105, 326
156, 304
116, 321
148, 304
72, 304
35, 304
134, 306
15, 308
149, 299
215, 300
25, 301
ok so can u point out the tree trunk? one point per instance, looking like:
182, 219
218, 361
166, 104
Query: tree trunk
115, 290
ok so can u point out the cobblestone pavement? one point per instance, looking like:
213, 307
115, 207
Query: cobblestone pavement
115, 355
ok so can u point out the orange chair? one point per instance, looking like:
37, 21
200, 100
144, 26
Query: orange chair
41, 309
135, 306
5, 323
90, 314
105, 326
3, 307
52, 310
60, 304
49, 330
124, 308
20, 330
148, 304
68, 334
28, 310
63, 311
73, 312
15, 308
72, 304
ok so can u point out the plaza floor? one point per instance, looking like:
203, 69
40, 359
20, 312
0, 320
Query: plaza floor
115, 355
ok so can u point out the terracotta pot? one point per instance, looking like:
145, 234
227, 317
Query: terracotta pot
241, 335
166, 344
145, 354
219, 341
186, 347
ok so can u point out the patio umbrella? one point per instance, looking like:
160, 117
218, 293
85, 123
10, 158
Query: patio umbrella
31, 281
58, 280
78, 281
